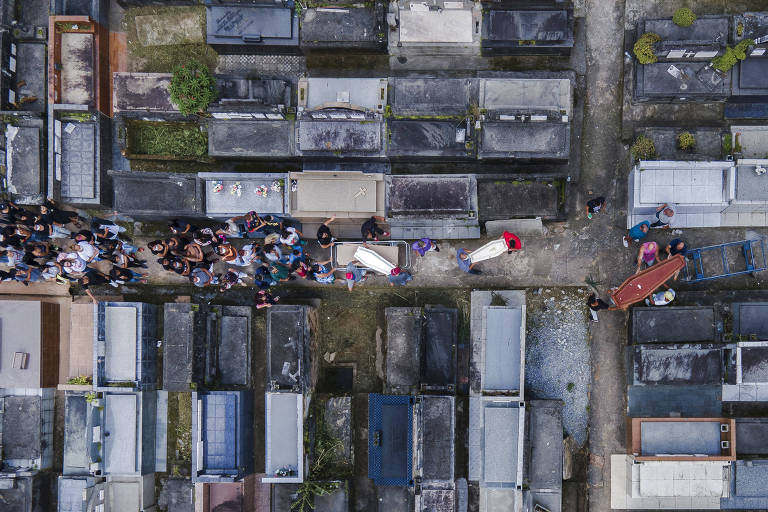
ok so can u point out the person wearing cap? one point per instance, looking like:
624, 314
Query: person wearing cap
399, 277
354, 274
661, 298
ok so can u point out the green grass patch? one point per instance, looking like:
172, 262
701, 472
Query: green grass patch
162, 59
183, 140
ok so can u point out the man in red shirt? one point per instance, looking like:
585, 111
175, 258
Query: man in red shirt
512, 241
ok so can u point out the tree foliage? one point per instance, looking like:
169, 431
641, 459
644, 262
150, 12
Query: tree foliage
731, 56
644, 48
684, 17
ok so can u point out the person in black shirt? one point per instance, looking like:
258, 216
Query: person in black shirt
179, 227
596, 304
92, 278
50, 213
370, 230
324, 236
677, 246
594, 206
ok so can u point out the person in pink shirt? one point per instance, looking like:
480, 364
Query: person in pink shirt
648, 255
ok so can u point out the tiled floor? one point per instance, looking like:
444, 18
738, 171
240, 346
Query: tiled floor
78, 180
220, 442
622, 486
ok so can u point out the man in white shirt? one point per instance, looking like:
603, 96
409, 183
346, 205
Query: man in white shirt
664, 214
86, 251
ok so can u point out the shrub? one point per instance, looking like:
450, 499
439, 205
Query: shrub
643, 148
81, 380
643, 48
686, 140
731, 56
727, 144
684, 17
741, 48
182, 140
192, 88
740, 29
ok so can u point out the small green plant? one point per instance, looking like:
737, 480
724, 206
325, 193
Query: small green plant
90, 397
727, 144
731, 56
643, 48
739, 29
686, 141
81, 380
570, 387
684, 17
192, 87
643, 148
387, 111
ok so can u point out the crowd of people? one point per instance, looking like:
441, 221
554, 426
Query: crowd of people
48, 243
648, 253
275, 252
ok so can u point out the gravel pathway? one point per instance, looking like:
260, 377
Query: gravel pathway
557, 354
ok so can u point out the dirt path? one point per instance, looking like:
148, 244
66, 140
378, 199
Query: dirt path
604, 162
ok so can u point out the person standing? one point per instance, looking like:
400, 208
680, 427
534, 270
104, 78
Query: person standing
594, 206
596, 304
399, 277
371, 231
648, 255
637, 233
324, 235
465, 262
513, 241
424, 245
264, 299
677, 246
664, 214
661, 298
354, 274
202, 277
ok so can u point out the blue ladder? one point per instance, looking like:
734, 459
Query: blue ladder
754, 257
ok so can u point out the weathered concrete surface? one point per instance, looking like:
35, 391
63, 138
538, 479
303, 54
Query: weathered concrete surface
602, 155
183, 27
77, 68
